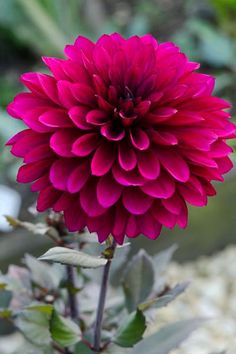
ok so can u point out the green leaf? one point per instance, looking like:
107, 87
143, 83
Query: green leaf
138, 280
41, 308
72, 257
82, 348
167, 338
131, 330
64, 331
164, 300
35, 327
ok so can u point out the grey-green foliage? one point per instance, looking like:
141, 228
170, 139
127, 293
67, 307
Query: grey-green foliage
167, 338
35, 298
138, 279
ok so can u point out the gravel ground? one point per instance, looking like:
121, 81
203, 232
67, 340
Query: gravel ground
211, 294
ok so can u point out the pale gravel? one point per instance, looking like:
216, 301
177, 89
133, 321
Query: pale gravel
211, 294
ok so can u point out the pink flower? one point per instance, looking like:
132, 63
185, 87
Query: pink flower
121, 135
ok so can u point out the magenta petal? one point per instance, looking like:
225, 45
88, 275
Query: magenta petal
41, 183
64, 202
127, 178
182, 219
163, 215
97, 117
132, 229
83, 93
135, 201
85, 144
174, 204
40, 152
143, 107
148, 164
103, 159
27, 140
23, 134
192, 195
162, 187
56, 118
77, 115
127, 157
139, 139
174, 164
149, 226
108, 191
47, 197
224, 164
163, 137
60, 172
78, 177
62, 141
55, 66
112, 133
32, 171
75, 217
88, 199
120, 222
65, 95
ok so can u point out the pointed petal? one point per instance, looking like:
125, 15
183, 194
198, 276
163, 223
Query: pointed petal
103, 159
135, 201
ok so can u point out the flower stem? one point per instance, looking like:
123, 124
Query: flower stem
102, 299
73, 301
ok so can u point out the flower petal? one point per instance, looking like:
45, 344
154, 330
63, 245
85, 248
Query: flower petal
148, 164
162, 187
139, 139
126, 156
135, 201
174, 164
103, 159
85, 144
108, 191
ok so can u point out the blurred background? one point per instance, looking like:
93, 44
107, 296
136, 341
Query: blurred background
204, 29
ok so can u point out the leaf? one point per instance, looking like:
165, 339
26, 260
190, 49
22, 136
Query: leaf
164, 300
138, 280
131, 330
45, 24
167, 338
82, 348
163, 258
72, 257
42, 274
38, 229
161, 261
40, 307
64, 331
35, 326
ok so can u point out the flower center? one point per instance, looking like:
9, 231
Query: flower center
125, 111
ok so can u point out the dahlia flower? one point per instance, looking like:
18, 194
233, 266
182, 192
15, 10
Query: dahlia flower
121, 135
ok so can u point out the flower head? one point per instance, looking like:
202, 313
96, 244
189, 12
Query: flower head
121, 135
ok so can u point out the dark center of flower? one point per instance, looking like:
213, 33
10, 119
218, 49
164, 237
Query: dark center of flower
125, 111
